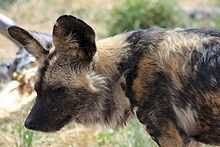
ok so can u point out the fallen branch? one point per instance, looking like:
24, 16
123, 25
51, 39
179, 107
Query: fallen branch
5, 23
22, 58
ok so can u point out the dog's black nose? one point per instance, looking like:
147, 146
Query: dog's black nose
30, 124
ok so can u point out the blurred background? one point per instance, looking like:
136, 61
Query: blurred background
107, 17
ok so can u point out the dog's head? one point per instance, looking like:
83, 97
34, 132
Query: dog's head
67, 88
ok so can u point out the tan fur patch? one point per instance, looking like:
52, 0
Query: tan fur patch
174, 52
144, 76
76, 80
171, 137
122, 103
195, 144
36, 50
213, 100
109, 53
186, 118
83, 80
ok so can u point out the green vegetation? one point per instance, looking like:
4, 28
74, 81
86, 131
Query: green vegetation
132, 135
142, 14
5, 3
213, 22
25, 135
138, 14
217, 22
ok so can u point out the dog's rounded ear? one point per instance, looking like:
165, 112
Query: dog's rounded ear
35, 43
71, 33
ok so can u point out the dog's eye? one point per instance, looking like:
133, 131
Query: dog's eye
58, 89
78, 92
36, 87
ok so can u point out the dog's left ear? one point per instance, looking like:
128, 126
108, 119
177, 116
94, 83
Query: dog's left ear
37, 44
70, 33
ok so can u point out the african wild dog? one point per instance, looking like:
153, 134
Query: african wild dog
170, 77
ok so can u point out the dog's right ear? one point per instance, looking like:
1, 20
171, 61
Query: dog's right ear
37, 44
71, 33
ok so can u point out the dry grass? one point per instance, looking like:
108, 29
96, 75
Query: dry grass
12, 133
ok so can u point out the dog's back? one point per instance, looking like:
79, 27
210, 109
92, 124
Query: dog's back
176, 85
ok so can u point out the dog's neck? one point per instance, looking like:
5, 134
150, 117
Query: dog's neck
111, 52
123, 111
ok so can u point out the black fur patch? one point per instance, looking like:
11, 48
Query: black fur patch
204, 31
129, 68
155, 110
42, 71
83, 33
140, 41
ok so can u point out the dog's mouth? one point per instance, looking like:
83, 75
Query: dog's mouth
65, 121
54, 126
